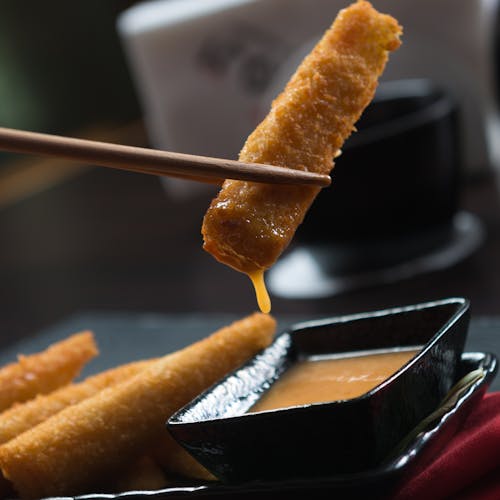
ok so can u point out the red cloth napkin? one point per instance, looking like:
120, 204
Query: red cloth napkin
469, 466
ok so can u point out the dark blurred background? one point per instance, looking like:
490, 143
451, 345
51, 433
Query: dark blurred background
62, 65
76, 238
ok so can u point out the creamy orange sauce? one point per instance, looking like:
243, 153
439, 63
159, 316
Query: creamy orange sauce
259, 285
332, 379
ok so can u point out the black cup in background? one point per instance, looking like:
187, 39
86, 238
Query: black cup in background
397, 174
394, 199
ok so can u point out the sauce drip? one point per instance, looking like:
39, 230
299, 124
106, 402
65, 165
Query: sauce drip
257, 278
331, 379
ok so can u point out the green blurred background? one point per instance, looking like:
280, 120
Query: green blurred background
62, 66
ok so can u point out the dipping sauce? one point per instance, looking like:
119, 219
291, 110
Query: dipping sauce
332, 379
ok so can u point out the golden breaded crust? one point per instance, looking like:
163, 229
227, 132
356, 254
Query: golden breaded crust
46, 371
249, 224
89, 442
22, 417
143, 475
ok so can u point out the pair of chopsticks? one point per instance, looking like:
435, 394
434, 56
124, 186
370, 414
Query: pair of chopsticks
151, 161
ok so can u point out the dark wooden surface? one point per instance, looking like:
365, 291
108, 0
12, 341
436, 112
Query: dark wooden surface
114, 241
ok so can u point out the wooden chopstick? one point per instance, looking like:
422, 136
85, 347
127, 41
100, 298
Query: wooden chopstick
152, 161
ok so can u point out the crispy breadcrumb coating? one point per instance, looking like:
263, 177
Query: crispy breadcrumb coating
85, 444
249, 224
22, 417
46, 371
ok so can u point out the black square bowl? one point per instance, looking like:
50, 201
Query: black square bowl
338, 437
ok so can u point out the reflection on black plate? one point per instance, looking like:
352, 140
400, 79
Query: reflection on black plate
327, 269
479, 368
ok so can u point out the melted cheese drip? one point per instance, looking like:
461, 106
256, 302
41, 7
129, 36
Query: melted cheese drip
257, 278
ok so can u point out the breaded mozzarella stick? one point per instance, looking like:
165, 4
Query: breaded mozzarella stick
248, 225
46, 371
20, 418
76, 449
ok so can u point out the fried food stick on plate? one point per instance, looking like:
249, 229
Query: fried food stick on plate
72, 451
46, 371
248, 225
143, 475
24, 416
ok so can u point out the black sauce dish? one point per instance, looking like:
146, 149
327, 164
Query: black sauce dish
335, 438
476, 372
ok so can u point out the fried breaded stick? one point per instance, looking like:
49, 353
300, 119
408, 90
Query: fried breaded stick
68, 453
22, 417
249, 224
143, 475
46, 371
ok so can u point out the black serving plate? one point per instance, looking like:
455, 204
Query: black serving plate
343, 436
421, 444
